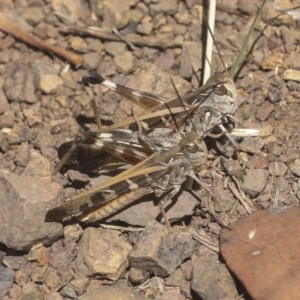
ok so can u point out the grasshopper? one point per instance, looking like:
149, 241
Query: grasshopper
205, 109
162, 173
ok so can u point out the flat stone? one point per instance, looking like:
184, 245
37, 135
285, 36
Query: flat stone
263, 251
160, 252
23, 209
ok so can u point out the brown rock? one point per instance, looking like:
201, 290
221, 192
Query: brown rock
72, 233
295, 167
111, 293
115, 48
39, 274
4, 105
114, 13
262, 251
264, 111
278, 168
49, 83
110, 262
172, 293
144, 28
137, 276
71, 10
159, 251
22, 211
39, 166
261, 162
33, 15
125, 63
177, 279
39, 255
7, 121
255, 181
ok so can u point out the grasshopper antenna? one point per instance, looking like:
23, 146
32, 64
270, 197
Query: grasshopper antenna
185, 110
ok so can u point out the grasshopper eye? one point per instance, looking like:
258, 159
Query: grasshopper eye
220, 90
92, 78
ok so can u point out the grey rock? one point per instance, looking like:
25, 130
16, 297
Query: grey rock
255, 181
34, 295
252, 145
166, 7
4, 105
44, 137
24, 202
191, 58
233, 168
159, 251
212, 281
279, 168
295, 167
20, 134
6, 280
21, 83
15, 262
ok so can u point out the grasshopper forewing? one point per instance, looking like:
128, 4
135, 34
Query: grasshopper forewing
162, 173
